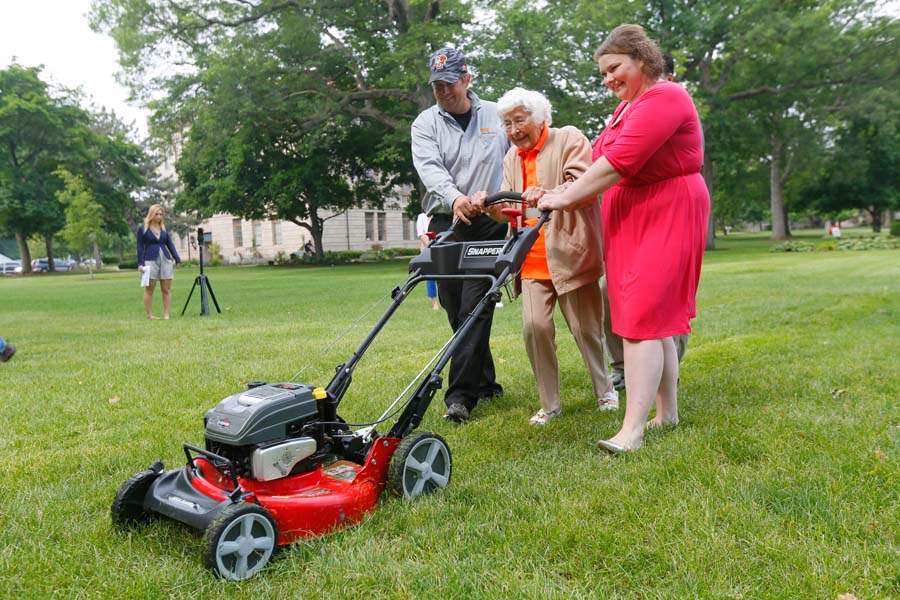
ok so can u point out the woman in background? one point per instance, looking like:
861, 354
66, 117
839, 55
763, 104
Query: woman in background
156, 253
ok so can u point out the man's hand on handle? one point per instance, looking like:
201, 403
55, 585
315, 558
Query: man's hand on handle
464, 209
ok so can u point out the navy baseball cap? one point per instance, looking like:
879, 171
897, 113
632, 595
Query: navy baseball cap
448, 65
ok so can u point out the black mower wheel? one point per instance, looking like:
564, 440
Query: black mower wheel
421, 464
128, 506
240, 541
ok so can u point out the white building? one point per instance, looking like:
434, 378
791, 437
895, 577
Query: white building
240, 240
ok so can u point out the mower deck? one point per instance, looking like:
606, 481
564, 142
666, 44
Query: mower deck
307, 504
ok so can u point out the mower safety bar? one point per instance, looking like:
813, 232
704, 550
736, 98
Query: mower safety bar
216, 461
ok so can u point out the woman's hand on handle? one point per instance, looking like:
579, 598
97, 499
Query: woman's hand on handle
532, 195
551, 201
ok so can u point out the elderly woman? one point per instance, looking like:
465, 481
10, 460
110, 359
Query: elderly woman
655, 209
565, 262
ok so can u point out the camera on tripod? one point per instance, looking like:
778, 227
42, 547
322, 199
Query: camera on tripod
206, 291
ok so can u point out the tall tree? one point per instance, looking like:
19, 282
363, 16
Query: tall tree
324, 61
862, 170
84, 217
38, 134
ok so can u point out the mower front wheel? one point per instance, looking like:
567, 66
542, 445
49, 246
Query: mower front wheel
239, 541
128, 506
421, 464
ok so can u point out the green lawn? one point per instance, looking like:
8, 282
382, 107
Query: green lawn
781, 482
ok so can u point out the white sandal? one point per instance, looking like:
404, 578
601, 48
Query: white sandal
609, 401
541, 417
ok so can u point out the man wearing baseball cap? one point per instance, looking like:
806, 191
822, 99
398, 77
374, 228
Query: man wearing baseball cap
458, 147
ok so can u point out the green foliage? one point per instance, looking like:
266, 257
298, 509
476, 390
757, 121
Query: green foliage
872, 242
793, 246
895, 227
39, 134
42, 132
862, 168
84, 216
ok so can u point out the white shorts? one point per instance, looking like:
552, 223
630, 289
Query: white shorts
161, 268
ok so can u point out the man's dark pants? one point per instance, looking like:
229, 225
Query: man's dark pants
472, 373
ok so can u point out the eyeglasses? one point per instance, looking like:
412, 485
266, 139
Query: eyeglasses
518, 123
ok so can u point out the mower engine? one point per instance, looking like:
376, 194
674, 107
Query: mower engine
260, 429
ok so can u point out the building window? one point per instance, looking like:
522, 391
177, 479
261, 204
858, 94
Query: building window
257, 233
382, 229
238, 233
408, 226
370, 226
277, 236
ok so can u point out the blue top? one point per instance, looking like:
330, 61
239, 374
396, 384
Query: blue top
148, 246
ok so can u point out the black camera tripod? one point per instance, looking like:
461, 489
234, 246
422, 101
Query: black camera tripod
202, 280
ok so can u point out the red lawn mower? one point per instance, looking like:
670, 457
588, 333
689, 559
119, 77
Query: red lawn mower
280, 464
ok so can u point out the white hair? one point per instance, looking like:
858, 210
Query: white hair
534, 103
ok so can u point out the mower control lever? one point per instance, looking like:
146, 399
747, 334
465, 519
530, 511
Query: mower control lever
513, 214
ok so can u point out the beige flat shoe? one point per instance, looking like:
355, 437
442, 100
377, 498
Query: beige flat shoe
542, 417
614, 448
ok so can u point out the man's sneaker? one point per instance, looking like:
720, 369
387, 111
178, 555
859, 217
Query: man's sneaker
7, 353
609, 401
457, 413
617, 378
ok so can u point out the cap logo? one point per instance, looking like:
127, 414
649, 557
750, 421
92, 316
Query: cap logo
439, 62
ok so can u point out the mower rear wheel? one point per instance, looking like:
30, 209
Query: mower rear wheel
421, 464
239, 541
128, 506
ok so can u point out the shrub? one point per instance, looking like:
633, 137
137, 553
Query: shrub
791, 246
128, 264
110, 259
895, 227
872, 242
827, 246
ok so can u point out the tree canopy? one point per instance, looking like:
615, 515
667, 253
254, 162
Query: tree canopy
264, 84
43, 131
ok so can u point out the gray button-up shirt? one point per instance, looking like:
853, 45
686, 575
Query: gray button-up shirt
452, 162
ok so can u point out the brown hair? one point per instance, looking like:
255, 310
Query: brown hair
633, 41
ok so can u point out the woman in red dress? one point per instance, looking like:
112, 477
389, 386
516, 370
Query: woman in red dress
654, 215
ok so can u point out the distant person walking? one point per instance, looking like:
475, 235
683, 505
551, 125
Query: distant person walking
422, 222
6, 350
157, 256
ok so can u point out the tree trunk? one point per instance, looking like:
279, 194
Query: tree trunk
22, 242
48, 242
876, 219
317, 226
776, 196
711, 223
97, 259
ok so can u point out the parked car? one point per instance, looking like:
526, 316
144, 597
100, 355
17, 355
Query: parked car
42, 265
10, 267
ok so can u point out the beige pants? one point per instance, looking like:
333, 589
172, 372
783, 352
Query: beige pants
614, 342
583, 311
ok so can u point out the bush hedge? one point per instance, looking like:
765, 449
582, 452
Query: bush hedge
895, 228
